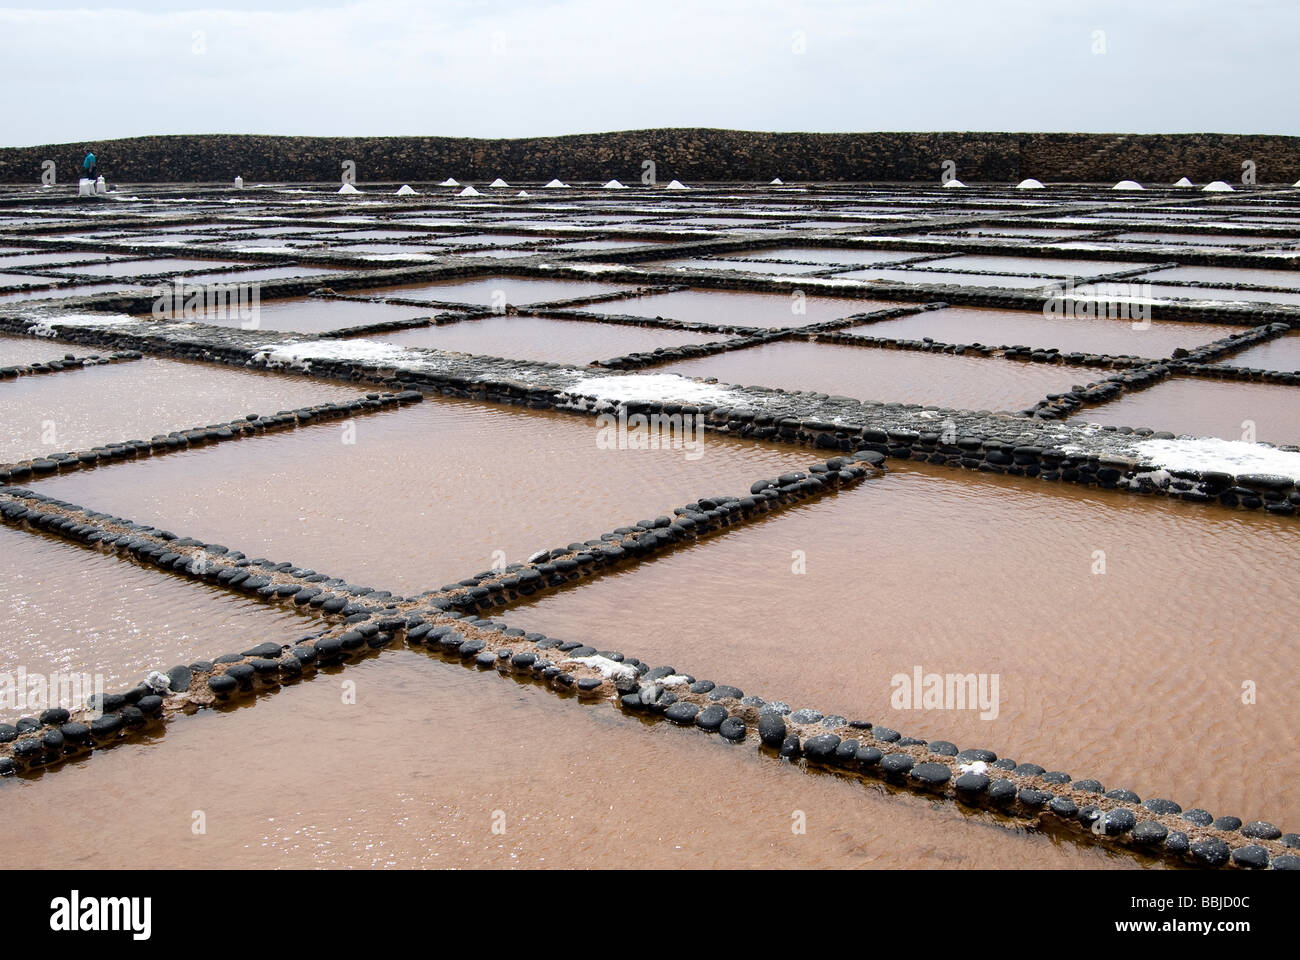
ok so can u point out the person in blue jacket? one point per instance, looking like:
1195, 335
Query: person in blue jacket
89, 166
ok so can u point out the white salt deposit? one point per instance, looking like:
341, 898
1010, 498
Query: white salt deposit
405, 190
677, 185
450, 182
1030, 184
557, 183
300, 354
44, 326
1228, 456
469, 192
607, 667
522, 193
954, 182
614, 185
1216, 186
1182, 182
649, 386
1127, 185
348, 188
778, 182
498, 182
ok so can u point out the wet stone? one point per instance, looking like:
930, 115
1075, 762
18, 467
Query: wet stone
733, 729
711, 717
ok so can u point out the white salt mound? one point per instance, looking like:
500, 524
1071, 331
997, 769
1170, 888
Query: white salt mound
1127, 185
405, 190
498, 182
1182, 182
523, 193
954, 182
348, 188
614, 185
677, 185
1030, 184
469, 192
450, 182
777, 182
557, 183
1216, 186
1228, 456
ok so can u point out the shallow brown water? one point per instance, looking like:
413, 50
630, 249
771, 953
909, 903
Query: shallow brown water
746, 266
1066, 333
540, 338
1132, 676
888, 376
494, 291
743, 309
424, 495
72, 290
938, 276
1263, 278
1056, 267
16, 350
136, 268
571, 786
138, 399
830, 255
310, 314
66, 609
1206, 408
1282, 353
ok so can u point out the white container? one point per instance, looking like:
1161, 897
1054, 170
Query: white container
101, 186
239, 183
85, 188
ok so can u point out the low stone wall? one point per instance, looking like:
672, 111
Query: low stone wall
691, 155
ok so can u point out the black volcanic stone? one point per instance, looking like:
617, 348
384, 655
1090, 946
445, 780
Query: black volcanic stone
1251, 856
733, 728
1260, 830
897, 763
1149, 832
931, 774
683, 712
821, 746
711, 717
1211, 851
771, 729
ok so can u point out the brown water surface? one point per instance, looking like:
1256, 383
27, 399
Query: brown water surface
796, 309
1029, 328
1133, 675
1282, 353
541, 338
65, 609
888, 376
1207, 408
363, 786
138, 399
409, 500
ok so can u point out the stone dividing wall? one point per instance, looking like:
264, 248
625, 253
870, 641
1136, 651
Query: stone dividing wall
68, 362
372, 620
991, 443
691, 155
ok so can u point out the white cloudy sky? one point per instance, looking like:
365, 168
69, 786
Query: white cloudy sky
493, 68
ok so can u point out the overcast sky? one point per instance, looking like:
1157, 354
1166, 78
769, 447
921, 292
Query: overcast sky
511, 68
